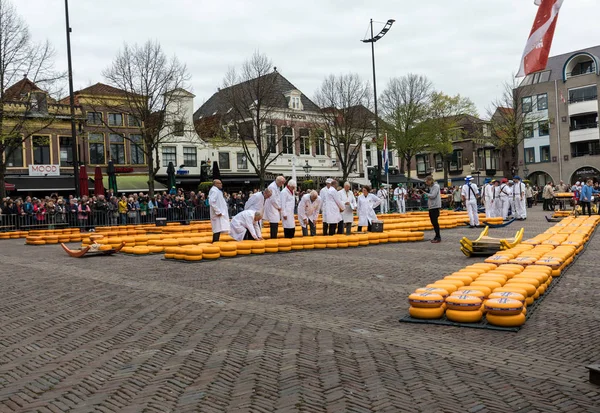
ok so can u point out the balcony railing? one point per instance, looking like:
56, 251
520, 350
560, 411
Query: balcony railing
593, 152
584, 71
582, 126
583, 98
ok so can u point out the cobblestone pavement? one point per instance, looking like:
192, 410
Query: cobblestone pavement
313, 331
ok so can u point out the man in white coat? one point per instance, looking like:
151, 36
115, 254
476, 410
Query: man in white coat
383, 195
400, 195
288, 202
349, 202
469, 195
308, 212
272, 206
519, 199
489, 198
505, 195
256, 202
332, 207
219, 214
245, 225
324, 195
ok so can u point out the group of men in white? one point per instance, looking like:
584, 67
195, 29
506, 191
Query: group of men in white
277, 204
498, 196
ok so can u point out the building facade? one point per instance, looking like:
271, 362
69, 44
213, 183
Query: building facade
561, 140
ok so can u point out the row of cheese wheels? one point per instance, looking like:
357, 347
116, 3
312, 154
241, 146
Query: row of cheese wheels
500, 292
231, 249
62, 233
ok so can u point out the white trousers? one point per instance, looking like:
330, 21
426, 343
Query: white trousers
505, 206
521, 208
489, 208
401, 205
473, 214
384, 206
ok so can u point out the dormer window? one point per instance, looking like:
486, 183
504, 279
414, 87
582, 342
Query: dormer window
580, 64
294, 99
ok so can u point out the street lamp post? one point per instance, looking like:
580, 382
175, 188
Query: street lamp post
372, 40
74, 145
307, 167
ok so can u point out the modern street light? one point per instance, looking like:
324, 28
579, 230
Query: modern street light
372, 40
74, 144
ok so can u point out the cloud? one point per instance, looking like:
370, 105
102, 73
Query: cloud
464, 46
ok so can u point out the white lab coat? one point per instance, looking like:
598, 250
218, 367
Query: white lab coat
308, 209
399, 196
470, 192
242, 222
332, 206
383, 194
488, 194
256, 202
348, 214
506, 198
365, 209
218, 205
272, 205
520, 202
288, 201
323, 194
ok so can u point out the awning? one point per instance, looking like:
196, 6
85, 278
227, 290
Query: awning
42, 183
240, 179
9, 187
133, 183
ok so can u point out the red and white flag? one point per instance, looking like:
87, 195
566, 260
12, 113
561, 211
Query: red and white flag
537, 49
562, 98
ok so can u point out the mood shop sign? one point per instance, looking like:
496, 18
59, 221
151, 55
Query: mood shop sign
44, 170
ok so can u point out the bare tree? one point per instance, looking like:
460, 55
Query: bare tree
148, 79
24, 107
509, 122
443, 125
345, 117
406, 104
251, 107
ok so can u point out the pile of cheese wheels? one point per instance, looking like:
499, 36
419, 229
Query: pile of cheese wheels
500, 291
43, 237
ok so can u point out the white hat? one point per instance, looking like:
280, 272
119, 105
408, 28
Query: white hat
329, 181
577, 183
468, 178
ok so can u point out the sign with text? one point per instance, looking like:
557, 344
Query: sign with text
44, 170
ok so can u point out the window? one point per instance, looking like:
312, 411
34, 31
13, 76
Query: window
529, 155
583, 94
117, 148
271, 135
422, 164
456, 163
137, 149
304, 142
526, 104
542, 101
133, 121
190, 157
390, 158
242, 161
528, 130
439, 163
487, 159
368, 154
233, 132
14, 154
543, 128
582, 68
224, 160
115, 119
66, 151
169, 154
94, 118
295, 102
288, 140
584, 121
96, 147
544, 153
41, 150
320, 145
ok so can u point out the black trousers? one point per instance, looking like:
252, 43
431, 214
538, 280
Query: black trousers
529, 202
274, 226
588, 205
325, 228
360, 228
216, 236
434, 215
289, 232
340, 227
332, 229
313, 229
348, 227
247, 236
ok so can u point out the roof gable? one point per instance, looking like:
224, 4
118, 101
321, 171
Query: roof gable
21, 89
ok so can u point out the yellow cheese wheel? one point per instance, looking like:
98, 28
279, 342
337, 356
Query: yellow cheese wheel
141, 250
473, 293
464, 278
194, 251
425, 300
490, 284
426, 313
271, 250
209, 256
486, 266
464, 316
492, 277
258, 251
463, 302
332, 245
485, 290
506, 320
530, 288
439, 291
193, 257
503, 306
285, 243
228, 254
523, 280
244, 252
440, 284
209, 249
457, 283
508, 294
541, 268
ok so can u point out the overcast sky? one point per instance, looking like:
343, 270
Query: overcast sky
464, 46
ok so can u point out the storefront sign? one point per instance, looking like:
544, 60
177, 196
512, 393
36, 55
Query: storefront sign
182, 172
44, 170
586, 172
295, 116
123, 169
